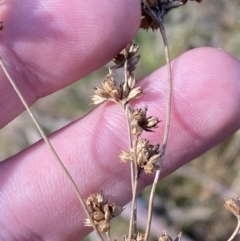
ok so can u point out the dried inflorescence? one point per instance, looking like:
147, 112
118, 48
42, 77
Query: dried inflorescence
101, 211
127, 56
119, 93
126, 91
233, 205
139, 121
166, 237
146, 156
159, 8
139, 237
142, 155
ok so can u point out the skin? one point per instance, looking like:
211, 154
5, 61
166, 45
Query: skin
48, 45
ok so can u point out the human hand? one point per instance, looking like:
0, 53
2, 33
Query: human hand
48, 45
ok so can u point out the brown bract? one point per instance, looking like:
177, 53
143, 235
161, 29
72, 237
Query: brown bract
128, 55
140, 121
233, 205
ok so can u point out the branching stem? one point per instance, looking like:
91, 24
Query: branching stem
236, 231
57, 158
168, 116
133, 216
133, 219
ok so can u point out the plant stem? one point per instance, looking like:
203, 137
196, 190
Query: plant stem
127, 109
57, 158
168, 116
236, 231
133, 215
108, 236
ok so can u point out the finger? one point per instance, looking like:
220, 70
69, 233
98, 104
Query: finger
37, 201
48, 45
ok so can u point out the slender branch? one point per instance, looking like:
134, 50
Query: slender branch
133, 219
108, 236
57, 158
128, 115
236, 231
168, 116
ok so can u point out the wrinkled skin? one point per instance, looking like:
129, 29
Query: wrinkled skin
48, 45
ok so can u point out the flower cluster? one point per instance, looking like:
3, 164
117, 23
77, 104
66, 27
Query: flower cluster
140, 121
146, 156
112, 91
101, 212
124, 92
143, 156
233, 205
158, 8
127, 56
140, 237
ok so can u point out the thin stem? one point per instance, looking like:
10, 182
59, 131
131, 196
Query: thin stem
108, 236
128, 115
133, 219
57, 158
168, 116
133, 171
236, 231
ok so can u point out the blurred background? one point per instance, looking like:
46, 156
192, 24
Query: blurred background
192, 198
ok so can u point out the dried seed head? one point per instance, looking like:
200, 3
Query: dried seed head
124, 92
135, 93
164, 237
101, 211
140, 237
128, 55
111, 87
140, 122
159, 8
147, 156
233, 205
104, 226
110, 91
126, 156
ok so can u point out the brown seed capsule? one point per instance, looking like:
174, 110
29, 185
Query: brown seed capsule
164, 237
233, 205
140, 237
103, 226
135, 93
101, 211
